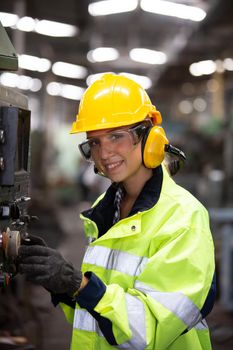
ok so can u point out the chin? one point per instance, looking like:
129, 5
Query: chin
116, 178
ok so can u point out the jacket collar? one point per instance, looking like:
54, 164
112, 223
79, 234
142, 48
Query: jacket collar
102, 213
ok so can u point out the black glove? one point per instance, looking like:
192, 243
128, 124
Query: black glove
33, 240
47, 267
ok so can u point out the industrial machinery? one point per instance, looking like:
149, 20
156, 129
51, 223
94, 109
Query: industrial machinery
14, 166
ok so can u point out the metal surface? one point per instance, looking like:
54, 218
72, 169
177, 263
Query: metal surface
11, 243
14, 170
12, 97
8, 57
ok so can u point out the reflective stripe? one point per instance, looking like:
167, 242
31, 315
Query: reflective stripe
202, 325
179, 304
85, 322
137, 323
112, 259
136, 315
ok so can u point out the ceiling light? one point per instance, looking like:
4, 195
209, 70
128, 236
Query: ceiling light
22, 82
144, 81
69, 70
72, 92
216, 175
36, 85
168, 8
185, 107
34, 63
56, 29
202, 68
26, 24
209, 67
147, 56
109, 7
54, 88
199, 104
228, 63
9, 79
102, 54
8, 19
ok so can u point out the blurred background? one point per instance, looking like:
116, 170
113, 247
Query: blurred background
181, 52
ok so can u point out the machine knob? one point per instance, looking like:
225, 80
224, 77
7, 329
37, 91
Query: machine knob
10, 243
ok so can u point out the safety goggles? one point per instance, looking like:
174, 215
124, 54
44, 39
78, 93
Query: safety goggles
123, 139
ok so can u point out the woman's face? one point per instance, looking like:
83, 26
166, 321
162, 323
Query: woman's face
115, 153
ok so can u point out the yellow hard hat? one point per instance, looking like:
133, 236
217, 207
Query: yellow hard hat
113, 101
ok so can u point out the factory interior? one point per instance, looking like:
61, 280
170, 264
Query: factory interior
181, 53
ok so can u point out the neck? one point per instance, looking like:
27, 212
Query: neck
135, 184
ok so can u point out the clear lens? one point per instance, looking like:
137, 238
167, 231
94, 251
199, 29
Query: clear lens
119, 140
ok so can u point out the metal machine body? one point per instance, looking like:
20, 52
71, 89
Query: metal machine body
14, 165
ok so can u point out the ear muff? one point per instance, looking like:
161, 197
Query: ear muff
153, 147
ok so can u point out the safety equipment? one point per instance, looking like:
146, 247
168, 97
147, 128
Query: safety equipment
153, 147
158, 270
47, 267
33, 240
114, 101
124, 138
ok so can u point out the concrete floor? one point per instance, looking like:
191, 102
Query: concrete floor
49, 330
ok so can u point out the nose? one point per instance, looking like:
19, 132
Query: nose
105, 149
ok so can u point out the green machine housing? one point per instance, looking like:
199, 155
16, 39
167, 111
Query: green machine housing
14, 164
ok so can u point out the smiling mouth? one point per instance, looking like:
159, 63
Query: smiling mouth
113, 166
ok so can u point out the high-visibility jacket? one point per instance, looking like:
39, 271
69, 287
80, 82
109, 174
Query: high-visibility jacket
150, 275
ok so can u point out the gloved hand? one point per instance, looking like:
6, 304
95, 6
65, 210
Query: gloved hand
47, 267
33, 240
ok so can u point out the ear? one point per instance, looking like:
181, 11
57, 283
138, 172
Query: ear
153, 147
